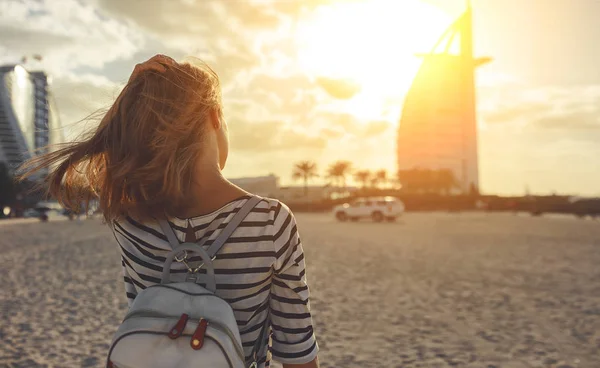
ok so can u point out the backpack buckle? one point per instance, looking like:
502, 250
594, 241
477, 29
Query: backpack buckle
191, 277
179, 258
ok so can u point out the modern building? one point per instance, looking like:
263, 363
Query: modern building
28, 117
300, 194
266, 186
438, 127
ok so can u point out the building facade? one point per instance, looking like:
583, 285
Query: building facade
438, 127
268, 186
265, 186
300, 194
28, 119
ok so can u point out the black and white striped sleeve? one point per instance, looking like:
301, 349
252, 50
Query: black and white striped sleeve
129, 282
130, 290
294, 341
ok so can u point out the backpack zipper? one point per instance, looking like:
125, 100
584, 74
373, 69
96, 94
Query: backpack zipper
109, 363
216, 325
166, 286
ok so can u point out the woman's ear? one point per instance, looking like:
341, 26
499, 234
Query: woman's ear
215, 117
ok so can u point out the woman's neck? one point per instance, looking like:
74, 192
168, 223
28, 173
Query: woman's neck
210, 192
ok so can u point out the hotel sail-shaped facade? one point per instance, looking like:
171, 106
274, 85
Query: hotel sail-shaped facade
438, 127
28, 117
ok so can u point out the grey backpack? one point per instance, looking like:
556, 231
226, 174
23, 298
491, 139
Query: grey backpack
183, 324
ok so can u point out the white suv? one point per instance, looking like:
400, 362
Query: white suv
376, 208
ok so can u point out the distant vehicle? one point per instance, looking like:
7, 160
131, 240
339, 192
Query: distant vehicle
36, 213
578, 206
48, 206
582, 207
376, 208
68, 213
31, 213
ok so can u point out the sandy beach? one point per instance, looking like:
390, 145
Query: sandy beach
431, 290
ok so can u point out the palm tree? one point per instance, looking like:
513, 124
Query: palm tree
409, 180
380, 177
305, 170
417, 180
338, 172
445, 181
362, 176
374, 181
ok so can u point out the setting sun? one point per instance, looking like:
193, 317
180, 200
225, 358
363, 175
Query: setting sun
371, 44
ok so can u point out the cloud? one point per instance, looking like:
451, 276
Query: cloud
79, 96
376, 128
30, 41
211, 30
67, 34
511, 113
272, 136
548, 108
292, 93
339, 88
329, 133
570, 120
298, 7
334, 125
338, 125
179, 18
246, 42
543, 137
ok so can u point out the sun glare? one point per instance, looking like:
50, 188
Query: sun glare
371, 43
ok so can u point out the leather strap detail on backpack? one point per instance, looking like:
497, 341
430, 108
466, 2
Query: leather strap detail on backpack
197, 340
177, 330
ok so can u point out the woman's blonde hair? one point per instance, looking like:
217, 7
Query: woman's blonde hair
142, 157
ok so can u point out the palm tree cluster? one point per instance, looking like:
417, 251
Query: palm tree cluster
371, 179
338, 173
440, 181
305, 171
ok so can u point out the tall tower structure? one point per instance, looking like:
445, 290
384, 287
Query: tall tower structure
28, 119
438, 126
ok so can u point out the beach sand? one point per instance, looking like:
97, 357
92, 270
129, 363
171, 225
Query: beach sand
431, 290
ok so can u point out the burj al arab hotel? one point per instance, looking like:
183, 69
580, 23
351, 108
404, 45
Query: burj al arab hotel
438, 126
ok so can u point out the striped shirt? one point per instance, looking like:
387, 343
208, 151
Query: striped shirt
259, 271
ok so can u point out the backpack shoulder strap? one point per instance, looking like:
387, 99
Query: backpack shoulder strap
223, 236
232, 225
169, 233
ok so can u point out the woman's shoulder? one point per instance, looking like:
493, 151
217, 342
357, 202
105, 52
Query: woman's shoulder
275, 208
129, 230
269, 213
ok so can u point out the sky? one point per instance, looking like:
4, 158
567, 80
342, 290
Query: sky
324, 80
